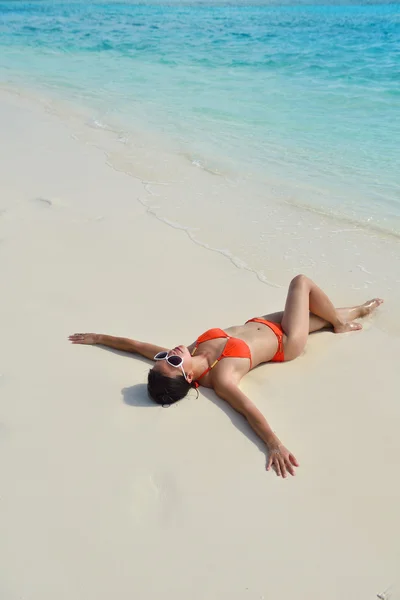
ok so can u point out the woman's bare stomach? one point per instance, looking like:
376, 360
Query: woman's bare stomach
261, 340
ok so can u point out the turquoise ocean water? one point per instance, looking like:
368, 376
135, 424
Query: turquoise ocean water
304, 94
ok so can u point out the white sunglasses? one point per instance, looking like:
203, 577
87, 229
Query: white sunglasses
173, 360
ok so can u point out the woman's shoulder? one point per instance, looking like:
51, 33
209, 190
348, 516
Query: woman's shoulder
226, 371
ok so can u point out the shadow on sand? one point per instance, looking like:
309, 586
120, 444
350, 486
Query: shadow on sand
136, 395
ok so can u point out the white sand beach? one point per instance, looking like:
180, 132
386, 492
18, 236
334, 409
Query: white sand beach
105, 495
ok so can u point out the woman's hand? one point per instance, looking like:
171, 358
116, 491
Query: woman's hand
84, 338
282, 461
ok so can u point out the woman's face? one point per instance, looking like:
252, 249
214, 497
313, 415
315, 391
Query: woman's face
162, 366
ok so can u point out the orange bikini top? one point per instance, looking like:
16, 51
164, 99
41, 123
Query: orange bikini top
234, 347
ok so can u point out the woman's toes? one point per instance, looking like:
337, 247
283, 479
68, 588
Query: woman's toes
368, 307
374, 303
348, 327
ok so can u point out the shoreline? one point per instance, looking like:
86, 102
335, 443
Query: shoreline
304, 239
103, 493
118, 138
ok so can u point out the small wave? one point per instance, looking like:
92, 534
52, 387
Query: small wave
236, 261
101, 47
197, 162
356, 224
96, 124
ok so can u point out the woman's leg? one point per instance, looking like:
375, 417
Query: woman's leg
346, 314
305, 297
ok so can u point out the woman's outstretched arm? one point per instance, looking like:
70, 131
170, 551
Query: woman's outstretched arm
118, 343
279, 457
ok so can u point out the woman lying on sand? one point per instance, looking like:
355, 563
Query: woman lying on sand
219, 359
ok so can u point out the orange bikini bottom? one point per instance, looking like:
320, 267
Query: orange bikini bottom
278, 331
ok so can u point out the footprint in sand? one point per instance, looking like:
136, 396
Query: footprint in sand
153, 499
48, 202
44, 201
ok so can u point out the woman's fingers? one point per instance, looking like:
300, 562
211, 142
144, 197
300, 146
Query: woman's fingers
277, 466
283, 462
290, 468
80, 338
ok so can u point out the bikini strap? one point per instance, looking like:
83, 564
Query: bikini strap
211, 367
215, 361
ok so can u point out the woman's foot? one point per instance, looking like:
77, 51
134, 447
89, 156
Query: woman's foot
347, 315
345, 327
368, 307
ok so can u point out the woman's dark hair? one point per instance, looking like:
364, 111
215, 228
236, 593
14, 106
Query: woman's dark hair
166, 390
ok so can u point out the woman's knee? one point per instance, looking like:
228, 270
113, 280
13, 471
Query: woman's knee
300, 281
